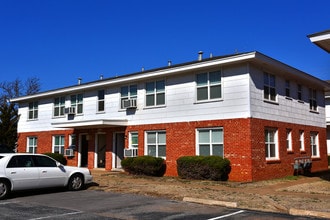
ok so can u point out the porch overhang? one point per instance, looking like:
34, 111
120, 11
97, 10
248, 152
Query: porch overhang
98, 123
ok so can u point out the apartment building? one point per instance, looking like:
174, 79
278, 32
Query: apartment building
258, 112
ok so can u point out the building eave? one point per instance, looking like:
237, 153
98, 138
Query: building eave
321, 39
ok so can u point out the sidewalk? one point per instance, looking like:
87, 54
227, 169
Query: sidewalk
303, 196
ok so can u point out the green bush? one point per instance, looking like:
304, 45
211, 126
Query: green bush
203, 167
144, 165
59, 157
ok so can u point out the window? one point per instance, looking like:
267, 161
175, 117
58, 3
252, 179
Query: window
33, 110
43, 161
20, 161
127, 92
269, 87
208, 86
133, 140
287, 88
77, 103
58, 144
100, 101
288, 140
299, 92
312, 100
32, 145
314, 144
271, 147
59, 106
210, 142
72, 141
302, 140
155, 93
156, 143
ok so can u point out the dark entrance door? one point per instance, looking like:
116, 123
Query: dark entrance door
84, 151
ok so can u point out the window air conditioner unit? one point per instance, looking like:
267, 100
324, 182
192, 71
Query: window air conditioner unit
68, 152
70, 111
130, 152
129, 103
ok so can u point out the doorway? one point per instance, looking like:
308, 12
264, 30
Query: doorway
100, 150
83, 149
119, 142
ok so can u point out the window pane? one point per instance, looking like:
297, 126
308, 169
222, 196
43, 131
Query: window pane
160, 86
101, 106
204, 136
202, 93
202, 79
80, 108
266, 79
150, 87
160, 99
161, 138
124, 91
272, 150
151, 138
150, 100
101, 94
133, 90
272, 80
217, 136
204, 150
152, 150
217, 150
134, 138
215, 77
162, 151
215, 92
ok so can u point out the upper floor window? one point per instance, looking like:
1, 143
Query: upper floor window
100, 101
127, 92
77, 103
287, 88
208, 86
299, 92
315, 144
33, 110
32, 145
59, 106
210, 142
58, 144
155, 93
269, 87
156, 143
312, 100
271, 145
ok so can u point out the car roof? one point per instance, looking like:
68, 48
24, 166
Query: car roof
12, 154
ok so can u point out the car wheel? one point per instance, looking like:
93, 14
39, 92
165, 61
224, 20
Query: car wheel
4, 189
76, 182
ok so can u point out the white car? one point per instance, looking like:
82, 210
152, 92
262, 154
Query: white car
23, 171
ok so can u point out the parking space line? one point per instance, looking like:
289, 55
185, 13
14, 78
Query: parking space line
52, 216
225, 216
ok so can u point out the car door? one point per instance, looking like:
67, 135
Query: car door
22, 172
50, 174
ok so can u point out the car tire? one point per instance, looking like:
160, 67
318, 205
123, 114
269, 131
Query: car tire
76, 182
4, 189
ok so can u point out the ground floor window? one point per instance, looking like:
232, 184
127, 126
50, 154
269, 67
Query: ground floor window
58, 144
271, 145
32, 145
156, 143
314, 144
288, 140
209, 142
302, 140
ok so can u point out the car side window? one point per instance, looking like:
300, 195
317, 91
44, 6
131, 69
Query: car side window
20, 161
42, 161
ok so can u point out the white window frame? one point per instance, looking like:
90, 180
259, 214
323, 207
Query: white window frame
289, 140
77, 102
299, 92
60, 146
155, 93
210, 141
314, 143
302, 140
269, 143
33, 146
208, 86
101, 100
288, 88
60, 106
72, 141
131, 144
131, 94
157, 144
33, 109
270, 87
313, 100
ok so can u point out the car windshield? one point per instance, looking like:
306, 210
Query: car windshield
1, 157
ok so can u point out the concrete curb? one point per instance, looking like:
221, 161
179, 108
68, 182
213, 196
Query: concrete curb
301, 212
210, 202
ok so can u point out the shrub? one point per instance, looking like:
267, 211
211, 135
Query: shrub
203, 167
59, 157
144, 165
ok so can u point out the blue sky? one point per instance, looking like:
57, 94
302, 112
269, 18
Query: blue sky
58, 41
